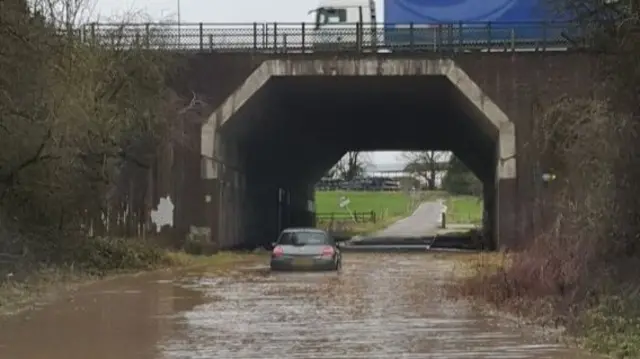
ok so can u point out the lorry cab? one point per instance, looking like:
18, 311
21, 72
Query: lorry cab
344, 23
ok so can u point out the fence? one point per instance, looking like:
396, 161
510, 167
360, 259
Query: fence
359, 217
303, 37
330, 188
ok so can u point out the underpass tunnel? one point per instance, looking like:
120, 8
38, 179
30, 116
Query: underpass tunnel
295, 128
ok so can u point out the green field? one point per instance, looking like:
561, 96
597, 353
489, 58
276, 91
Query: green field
389, 207
389, 203
464, 209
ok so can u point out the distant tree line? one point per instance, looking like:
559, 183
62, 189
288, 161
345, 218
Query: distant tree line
350, 166
459, 179
423, 165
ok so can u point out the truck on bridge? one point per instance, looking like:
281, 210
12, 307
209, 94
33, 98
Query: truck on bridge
422, 25
433, 23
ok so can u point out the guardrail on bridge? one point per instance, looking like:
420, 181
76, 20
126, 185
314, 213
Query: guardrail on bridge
304, 37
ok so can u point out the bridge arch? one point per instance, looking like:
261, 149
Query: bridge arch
279, 88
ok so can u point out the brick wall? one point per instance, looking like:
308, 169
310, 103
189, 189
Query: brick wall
520, 83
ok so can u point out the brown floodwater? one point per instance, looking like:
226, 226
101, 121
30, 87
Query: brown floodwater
379, 306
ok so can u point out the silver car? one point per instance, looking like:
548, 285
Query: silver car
306, 249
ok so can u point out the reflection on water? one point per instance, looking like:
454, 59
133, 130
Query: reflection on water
380, 306
119, 319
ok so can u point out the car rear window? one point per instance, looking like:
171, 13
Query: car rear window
303, 238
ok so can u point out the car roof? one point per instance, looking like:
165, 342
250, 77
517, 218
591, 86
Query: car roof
303, 229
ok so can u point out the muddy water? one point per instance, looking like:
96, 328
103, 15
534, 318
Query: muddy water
380, 306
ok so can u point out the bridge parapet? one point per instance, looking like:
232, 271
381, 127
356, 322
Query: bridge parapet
303, 37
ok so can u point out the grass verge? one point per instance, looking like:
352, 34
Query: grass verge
392, 203
612, 326
470, 266
483, 277
606, 323
464, 209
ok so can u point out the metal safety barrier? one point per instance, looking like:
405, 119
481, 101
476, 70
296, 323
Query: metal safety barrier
305, 37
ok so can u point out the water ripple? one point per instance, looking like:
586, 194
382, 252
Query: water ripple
380, 306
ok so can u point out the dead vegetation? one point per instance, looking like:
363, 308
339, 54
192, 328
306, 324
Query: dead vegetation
580, 271
84, 129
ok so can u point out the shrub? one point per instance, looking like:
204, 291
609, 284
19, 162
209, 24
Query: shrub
80, 124
99, 256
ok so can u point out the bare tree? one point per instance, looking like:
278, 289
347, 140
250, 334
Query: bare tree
426, 165
74, 116
332, 172
352, 165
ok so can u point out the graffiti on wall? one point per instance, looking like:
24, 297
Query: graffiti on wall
163, 214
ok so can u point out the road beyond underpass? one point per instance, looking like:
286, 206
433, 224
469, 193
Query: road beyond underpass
379, 306
417, 232
423, 221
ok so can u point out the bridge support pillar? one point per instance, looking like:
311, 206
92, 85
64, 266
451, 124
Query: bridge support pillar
224, 188
261, 212
272, 207
301, 211
506, 203
489, 214
506, 189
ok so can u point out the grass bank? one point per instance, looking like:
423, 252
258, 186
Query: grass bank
606, 323
464, 209
391, 203
27, 283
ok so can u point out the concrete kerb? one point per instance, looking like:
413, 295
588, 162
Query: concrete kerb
506, 167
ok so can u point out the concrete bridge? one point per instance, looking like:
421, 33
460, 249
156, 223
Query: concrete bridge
282, 120
284, 111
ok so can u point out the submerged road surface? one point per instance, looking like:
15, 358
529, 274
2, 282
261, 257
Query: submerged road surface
379, 306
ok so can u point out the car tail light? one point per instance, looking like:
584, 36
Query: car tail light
278, 251
328, 251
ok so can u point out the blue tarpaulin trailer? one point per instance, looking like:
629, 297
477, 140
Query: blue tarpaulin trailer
470, 21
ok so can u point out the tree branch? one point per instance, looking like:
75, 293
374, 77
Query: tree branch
38, 156
129, 158
194, 101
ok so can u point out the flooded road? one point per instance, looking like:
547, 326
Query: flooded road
379, 306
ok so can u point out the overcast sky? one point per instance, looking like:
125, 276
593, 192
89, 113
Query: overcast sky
246, 11
222, 11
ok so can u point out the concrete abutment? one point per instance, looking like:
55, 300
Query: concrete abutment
245, 206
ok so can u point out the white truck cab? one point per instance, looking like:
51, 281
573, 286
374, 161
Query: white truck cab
344, 23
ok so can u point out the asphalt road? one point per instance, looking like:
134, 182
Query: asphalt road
424, 221
417, 232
